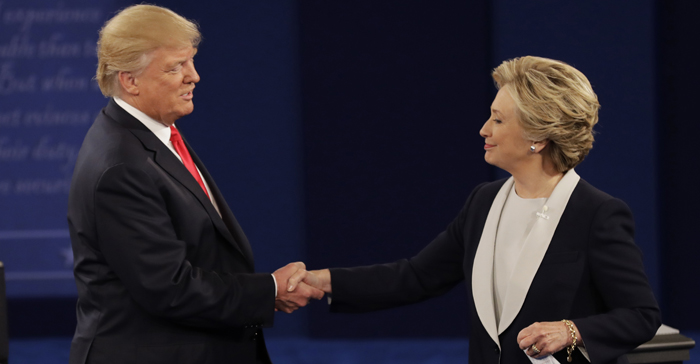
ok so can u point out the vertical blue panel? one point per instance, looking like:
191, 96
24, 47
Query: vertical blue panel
246, 125
393, 95
679, 50
612, 43
47, 103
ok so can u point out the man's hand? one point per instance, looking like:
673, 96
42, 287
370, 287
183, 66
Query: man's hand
320, 279
291, 297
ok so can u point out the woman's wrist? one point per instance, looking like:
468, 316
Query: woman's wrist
324, 276
579, 339
572, 339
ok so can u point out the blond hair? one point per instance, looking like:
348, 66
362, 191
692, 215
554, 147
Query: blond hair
555, 102
128, 38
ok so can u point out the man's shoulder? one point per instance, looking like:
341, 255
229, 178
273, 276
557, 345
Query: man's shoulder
108, 136
108, 143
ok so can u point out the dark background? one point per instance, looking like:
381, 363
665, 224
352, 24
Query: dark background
346, 133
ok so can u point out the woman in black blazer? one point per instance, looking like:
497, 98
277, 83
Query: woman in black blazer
549, 260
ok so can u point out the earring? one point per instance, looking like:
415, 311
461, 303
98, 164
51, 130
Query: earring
532, 148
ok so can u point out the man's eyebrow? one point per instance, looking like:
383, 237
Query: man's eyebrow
180, 61
176, 63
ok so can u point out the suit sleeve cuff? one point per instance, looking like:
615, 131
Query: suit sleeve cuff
274, 280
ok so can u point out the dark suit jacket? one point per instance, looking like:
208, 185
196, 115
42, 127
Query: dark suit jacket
161, 277
591, 273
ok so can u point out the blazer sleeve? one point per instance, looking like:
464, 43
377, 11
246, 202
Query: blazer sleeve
630, 311
138, 241
432, 272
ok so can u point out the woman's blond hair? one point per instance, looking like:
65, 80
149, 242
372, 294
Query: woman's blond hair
128, 38
555, 102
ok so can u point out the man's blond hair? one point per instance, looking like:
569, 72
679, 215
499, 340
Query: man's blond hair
127, 40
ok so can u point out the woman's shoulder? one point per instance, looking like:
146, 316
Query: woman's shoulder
589, 191
585, 194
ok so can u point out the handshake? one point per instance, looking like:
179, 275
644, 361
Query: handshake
296, 286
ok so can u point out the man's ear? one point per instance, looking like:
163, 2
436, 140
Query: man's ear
128, 82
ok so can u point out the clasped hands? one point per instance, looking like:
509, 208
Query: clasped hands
296, 286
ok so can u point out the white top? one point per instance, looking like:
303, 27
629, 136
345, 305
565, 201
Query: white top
162, 132
516, 222
532, 252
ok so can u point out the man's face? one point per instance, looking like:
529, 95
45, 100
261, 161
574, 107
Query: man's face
165, 85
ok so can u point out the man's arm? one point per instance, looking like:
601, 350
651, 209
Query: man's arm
137, 238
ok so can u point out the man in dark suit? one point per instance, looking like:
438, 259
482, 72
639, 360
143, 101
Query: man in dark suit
164, 272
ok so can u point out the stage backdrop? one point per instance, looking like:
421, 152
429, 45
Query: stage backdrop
678, 130
393, 95
48, 100
346, 133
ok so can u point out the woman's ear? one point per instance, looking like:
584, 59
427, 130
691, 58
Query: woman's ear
539, 146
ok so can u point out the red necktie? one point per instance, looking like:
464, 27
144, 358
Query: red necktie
185, 155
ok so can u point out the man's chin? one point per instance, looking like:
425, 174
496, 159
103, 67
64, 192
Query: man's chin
186, 111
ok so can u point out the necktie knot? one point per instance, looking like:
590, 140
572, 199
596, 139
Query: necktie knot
175, 135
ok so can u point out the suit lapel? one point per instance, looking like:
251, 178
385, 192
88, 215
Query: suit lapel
226, 223
482, 270
164, 158
534, 249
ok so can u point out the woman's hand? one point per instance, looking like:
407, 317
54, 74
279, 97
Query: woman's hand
320, 279
546, 338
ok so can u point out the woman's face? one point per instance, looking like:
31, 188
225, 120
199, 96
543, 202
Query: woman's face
505, 145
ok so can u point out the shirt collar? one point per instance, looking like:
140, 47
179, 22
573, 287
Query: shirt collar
161, 130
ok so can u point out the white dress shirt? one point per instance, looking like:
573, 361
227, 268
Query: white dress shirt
162, 132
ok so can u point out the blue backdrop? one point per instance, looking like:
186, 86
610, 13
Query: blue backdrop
346, 133
48, 100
